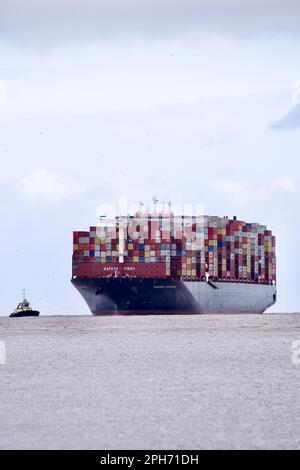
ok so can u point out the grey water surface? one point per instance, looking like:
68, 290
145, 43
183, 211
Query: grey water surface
150, 382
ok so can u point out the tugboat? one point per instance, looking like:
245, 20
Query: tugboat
24, 309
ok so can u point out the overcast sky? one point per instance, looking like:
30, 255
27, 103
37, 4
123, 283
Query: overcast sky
193, 101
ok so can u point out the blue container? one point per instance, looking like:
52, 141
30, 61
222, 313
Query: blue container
212, 248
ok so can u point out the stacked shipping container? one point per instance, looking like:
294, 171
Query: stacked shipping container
188, 247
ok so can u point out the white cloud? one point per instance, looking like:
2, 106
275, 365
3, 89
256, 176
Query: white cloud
296, 92
290, 121
241, 193
48, 187
288, 184
238, 192
2, 92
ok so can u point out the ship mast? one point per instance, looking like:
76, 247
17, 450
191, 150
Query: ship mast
141, 204
155, 201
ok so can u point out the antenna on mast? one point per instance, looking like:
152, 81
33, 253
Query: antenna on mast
164, 203
24, 293
141, 204
155, 201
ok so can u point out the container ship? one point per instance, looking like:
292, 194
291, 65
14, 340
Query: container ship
159, 263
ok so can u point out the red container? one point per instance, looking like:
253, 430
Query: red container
140, 270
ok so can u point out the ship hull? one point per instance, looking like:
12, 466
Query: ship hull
31, 313
129, 296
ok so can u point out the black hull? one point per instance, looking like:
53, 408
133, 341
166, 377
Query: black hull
33, 313
131, 296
